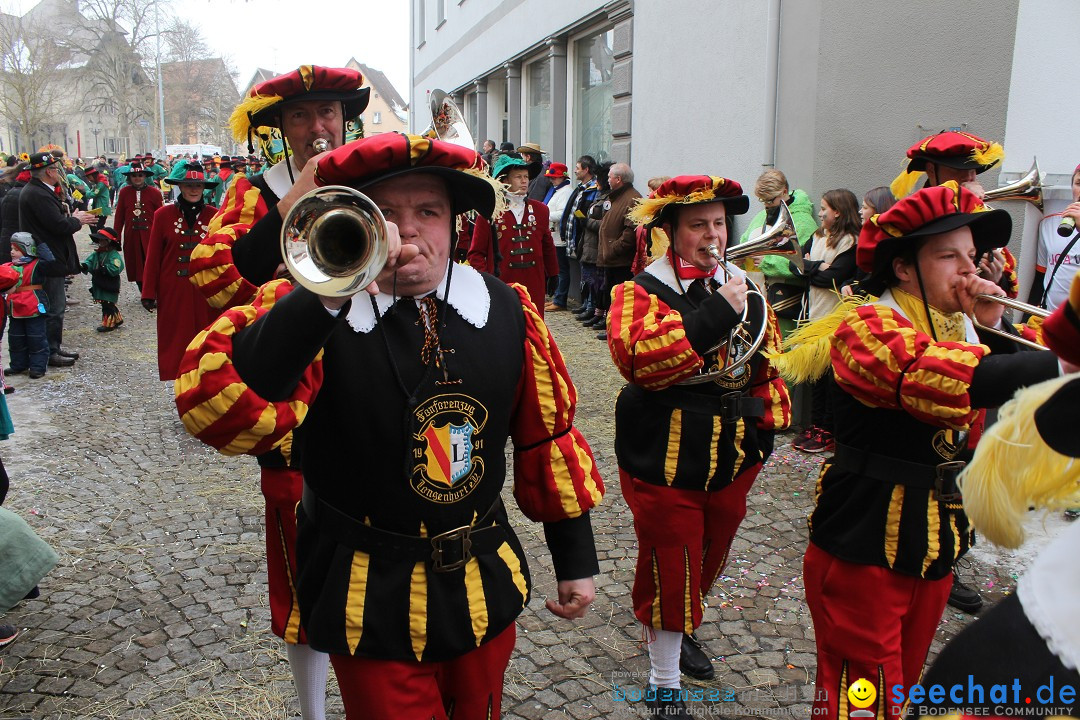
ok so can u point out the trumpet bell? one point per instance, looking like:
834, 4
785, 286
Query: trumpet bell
333, 241
1028, 188
448, 122
781, 239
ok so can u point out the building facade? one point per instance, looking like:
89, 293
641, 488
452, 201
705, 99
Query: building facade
832, 92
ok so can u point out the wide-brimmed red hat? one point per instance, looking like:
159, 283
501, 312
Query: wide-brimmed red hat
556, 170
262, 106
688, 190
367, 161
930, 211
959, 150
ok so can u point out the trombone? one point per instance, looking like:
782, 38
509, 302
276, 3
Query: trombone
747, 337
1015, 305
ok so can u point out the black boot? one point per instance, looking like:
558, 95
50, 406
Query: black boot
693, 661
667, 703
964, 598
57, 360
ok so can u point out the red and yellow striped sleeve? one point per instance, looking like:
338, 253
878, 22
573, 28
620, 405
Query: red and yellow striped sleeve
883, 361
1032, 330
647, 339
212, 269
768, 384
555, 475
215, 404
1010, 281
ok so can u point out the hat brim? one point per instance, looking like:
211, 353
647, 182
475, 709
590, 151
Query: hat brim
129, 173
184, 181
734, 205
1056, 420
918, 163
467, 192
989, 230
354, 102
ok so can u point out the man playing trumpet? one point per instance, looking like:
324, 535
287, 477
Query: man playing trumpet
912, 376
408, 571
240, 253
687, 454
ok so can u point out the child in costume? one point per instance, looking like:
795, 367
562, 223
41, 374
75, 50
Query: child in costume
104, 266
27, 304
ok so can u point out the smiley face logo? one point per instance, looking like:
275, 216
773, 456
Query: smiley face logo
862, 693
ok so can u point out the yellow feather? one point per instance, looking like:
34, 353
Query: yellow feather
501, 205
1013, 469
992, 155
808, 348
905, 183
240, 122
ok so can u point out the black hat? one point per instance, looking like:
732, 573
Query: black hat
42, 160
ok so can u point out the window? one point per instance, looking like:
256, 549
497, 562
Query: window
472, 105
538, 111
421, 23
376, 118
593, 64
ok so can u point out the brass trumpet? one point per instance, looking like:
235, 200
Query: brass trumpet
1015, 305
1028, 188
334, 241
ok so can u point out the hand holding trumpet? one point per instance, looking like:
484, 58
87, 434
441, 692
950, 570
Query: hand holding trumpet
734, 291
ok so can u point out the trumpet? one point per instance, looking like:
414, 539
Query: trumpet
334, 241
1015, 305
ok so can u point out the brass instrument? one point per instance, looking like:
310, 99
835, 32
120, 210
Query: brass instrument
447, 122
1028, 188
747, 337
1015, 305
320, 145
334, 241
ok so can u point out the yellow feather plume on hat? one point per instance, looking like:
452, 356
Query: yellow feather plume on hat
808, 349
1014, 469
240, 120
501, 204
905, 182
992, 155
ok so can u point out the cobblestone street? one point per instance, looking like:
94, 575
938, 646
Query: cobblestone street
158, 607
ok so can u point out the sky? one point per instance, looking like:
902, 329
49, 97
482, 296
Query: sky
281, 35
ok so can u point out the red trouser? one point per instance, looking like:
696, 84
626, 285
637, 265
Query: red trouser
683, 542
469, 688
282, 487
870, 622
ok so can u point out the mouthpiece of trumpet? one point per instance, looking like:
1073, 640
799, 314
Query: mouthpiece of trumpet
321, 145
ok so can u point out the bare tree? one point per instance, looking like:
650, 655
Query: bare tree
31, 78
117, 38
200, 90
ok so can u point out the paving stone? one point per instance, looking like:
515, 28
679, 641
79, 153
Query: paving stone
159, 598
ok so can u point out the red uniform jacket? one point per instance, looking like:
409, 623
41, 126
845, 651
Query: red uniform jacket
182, 311
526, 252
134, 212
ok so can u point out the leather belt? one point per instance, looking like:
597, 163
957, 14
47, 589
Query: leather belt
447, 551
730, 406
523, 265
940, 478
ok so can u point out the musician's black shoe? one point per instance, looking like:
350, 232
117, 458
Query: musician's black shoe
64, 352
597, 321
693, 661
964, 598
58, 360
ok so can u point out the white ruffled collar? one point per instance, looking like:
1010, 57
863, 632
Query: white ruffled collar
469, 296
662, 270
277, 178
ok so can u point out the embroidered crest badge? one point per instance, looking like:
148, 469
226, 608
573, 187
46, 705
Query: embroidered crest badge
446, 448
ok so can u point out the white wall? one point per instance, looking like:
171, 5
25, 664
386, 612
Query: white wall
1043, 117
699, 76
